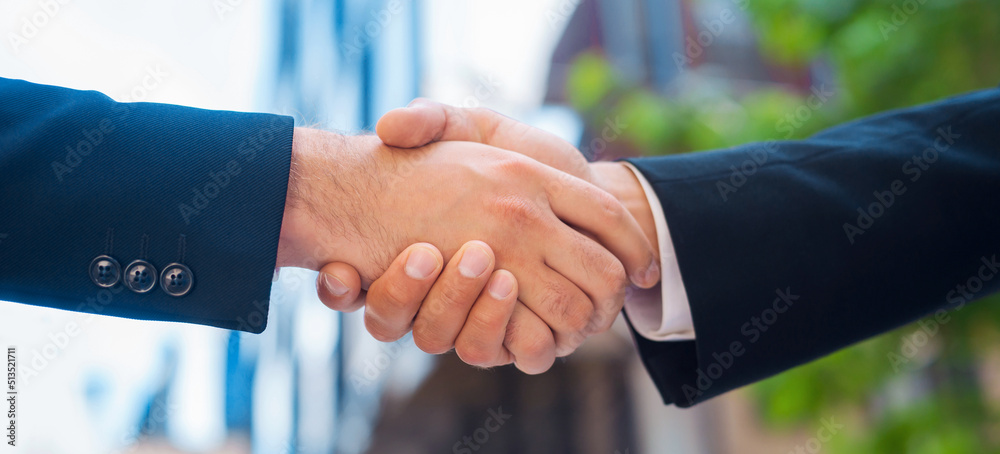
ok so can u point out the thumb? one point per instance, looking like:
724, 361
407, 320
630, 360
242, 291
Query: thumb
419, 124
426, 121
339, 287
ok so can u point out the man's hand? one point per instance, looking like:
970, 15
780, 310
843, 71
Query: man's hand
425, 121
353, 200
475, 322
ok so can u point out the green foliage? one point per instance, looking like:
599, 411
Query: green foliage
888, 53
885, 54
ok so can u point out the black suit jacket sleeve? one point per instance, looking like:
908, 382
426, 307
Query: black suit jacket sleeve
83, 176
792, 250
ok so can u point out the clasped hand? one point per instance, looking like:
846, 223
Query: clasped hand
513, 248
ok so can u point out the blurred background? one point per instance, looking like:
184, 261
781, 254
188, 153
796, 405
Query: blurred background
677, 75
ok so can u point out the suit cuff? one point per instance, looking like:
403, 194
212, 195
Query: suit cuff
661, 313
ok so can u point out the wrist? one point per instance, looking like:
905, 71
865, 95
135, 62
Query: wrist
322, 196
621, 182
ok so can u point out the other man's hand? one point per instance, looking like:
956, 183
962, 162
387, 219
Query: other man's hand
356, 201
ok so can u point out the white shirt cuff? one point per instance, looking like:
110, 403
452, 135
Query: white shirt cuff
661, 313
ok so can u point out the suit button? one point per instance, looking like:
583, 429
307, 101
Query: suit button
176, 279
105, 271
140, 276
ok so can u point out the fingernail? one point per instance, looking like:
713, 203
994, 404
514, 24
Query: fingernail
334, 285
421, 263
474, 262
502, 285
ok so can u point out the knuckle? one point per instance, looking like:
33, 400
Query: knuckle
517, 211
430, 345
574, 312
379, 330
474, 351
609, 297
569, 344
603, 319
615, 280
487, 120
516, 166
483, 322
454, 296
430, 338
555, 186
611, 209
394, 297
481, 112
535, 344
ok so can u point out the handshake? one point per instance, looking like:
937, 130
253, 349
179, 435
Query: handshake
514, 248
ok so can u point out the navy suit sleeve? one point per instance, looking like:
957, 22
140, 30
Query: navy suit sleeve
82, 176
792, 250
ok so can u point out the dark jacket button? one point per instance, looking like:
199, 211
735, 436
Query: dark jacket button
176, 279
105, 271
140, 276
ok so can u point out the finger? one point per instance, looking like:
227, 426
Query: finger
530, 340
395, 297
587, 207
413, 126
426, 121
447, 306
339, 287
559, 303
593, 269
480, 343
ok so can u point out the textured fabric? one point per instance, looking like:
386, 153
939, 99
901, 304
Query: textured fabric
781, 267
82, 176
